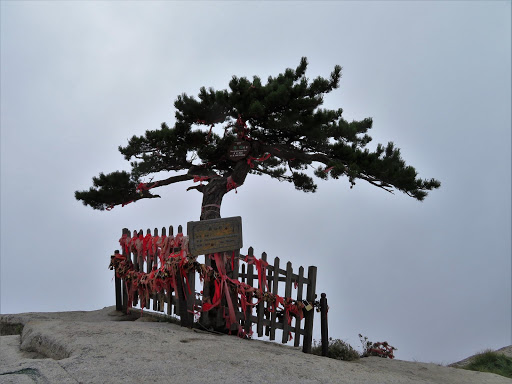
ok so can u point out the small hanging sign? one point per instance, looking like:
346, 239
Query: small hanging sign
239, 150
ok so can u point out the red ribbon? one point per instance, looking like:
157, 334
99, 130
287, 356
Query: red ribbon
289, 309
231, 184
242, 128
244, 290
146, 246
140, 188
183, 271
154, 248
178, 265
261, 268
211, 127
124, 243
250, 159
138, 243
144, 187
200, 178
221, 287
160, 248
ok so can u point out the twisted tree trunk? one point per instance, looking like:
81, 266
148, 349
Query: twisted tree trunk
213, 193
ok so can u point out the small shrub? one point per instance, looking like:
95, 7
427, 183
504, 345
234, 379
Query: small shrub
7, 329
493, 362
381, 349
338, 349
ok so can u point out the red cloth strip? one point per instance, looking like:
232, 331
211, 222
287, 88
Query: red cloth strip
231, 184
200, 178
250, 159
144, 187
261, 268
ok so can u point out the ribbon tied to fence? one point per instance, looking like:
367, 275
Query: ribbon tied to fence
174, 265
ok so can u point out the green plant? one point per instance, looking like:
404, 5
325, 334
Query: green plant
338, 349
7, 329
381, 349
493, 362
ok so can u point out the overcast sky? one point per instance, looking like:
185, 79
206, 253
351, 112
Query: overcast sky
432, 278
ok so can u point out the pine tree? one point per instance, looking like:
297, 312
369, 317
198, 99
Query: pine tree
276, 129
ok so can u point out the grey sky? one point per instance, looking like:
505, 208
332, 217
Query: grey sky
433, 278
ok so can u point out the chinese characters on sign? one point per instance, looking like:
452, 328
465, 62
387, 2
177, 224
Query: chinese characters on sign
239, 150
212, 236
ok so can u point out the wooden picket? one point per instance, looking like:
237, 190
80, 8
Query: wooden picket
183, 302
274, 320
177, 302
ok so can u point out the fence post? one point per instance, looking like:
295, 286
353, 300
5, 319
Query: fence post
126, 253
300, 282
182, 299
274, 290
187, 320
206, 319
250, 281
323, 323
190, 297
119, 300
260, 309
310, 297
288, 295
152, 263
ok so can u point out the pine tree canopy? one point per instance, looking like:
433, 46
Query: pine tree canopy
284, 132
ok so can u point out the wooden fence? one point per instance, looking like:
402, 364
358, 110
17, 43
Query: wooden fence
266, 278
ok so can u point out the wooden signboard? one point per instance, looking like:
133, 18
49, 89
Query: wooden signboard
212, 236
239, 150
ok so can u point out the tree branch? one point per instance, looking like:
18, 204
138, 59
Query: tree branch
378, 183
144, 192
199, 187
280, 178
240, 171
172, 180
287, 154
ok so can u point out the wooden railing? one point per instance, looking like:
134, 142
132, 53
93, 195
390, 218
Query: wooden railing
280, 320
270, 284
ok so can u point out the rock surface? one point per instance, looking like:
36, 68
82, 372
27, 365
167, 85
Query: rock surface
98, 347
